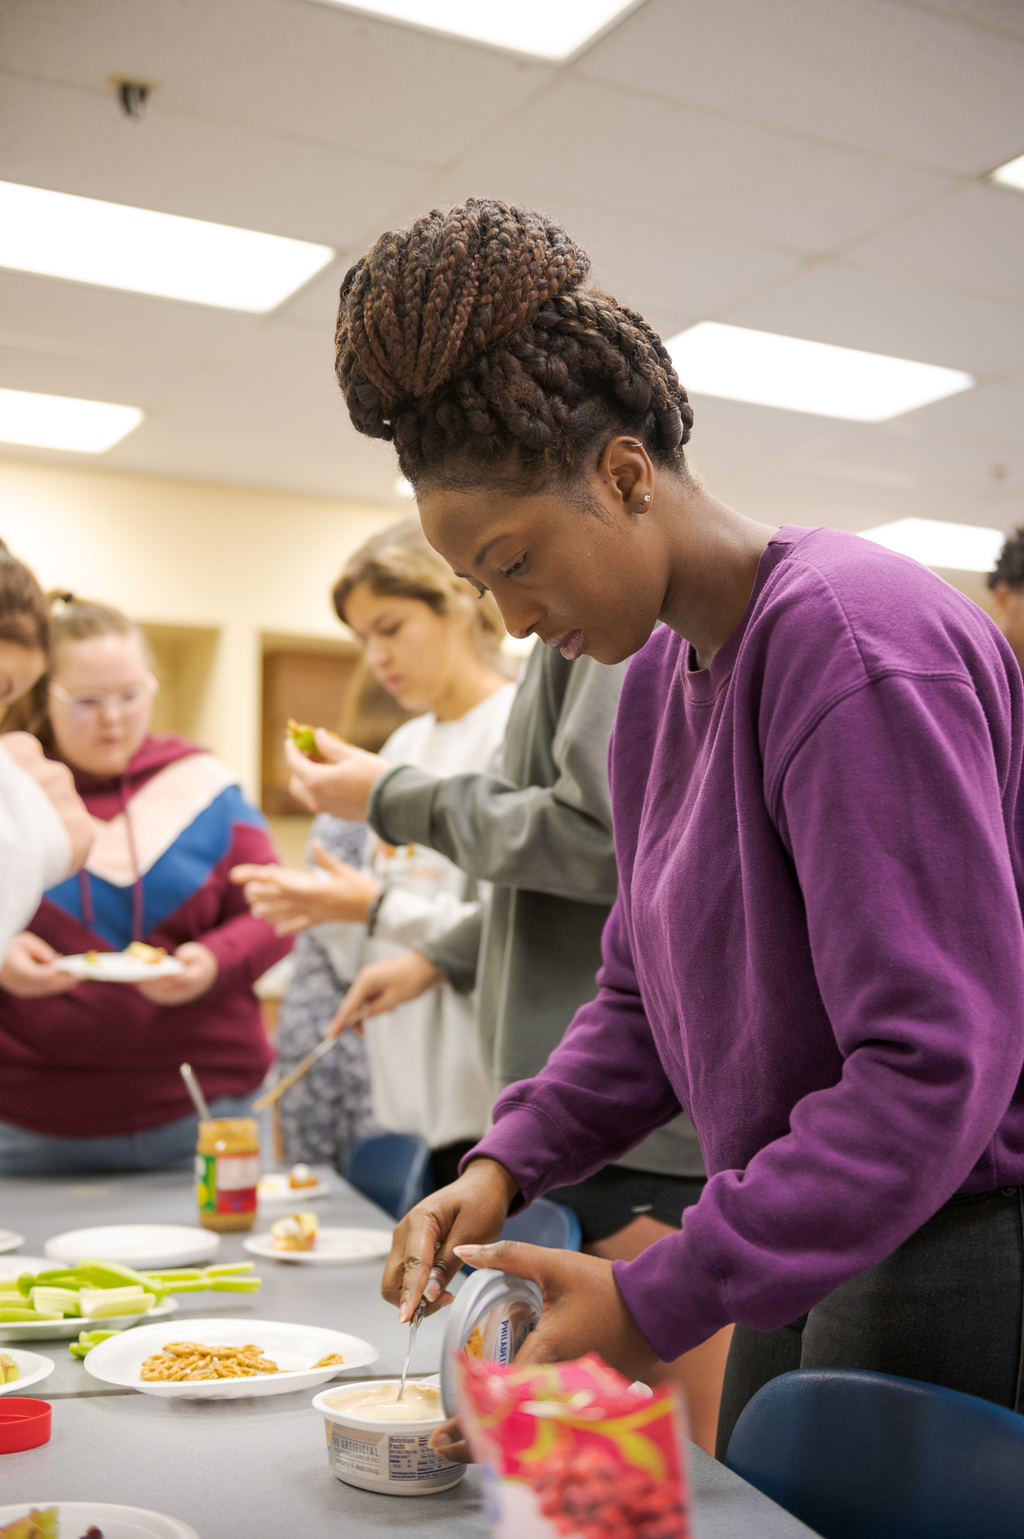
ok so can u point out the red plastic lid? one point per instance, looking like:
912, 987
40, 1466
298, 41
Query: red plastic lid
23, 1424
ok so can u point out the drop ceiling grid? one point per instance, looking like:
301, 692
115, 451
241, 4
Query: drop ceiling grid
701, 191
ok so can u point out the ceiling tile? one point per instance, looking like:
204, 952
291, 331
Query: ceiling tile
972, 240
71, 141
597, 145
72, 318
866, 73
278, 66
899, 316
998, 15
142, 381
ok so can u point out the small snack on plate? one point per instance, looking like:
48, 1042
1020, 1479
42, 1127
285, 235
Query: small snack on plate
190, 1360
574, 1449
304, 738
295, 1232
300, 1176
143, 953
9, 1370
41, 1523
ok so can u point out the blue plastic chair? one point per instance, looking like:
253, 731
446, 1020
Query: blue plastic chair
544, 1223
858, 1455
392, 1169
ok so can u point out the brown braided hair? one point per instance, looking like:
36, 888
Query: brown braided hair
470, 343
24, 612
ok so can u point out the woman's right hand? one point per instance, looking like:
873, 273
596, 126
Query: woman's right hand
471, 1211
383, 986
29, 972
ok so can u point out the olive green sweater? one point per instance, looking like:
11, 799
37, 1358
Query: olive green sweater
541, 832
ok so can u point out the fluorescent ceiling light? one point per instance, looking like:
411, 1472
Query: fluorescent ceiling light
62, 422
63, 236
547, 29
961, 547
769, 370
1010, 175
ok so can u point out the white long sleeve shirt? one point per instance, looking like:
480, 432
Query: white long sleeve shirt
35, 851
427, 1074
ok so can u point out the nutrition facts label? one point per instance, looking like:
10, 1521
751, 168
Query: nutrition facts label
412, 1458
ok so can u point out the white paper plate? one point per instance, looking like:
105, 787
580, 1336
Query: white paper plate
274, 1187
68, 1329
115, 967
334, 1247
33, 1369
143, 1246
115, 1522
10, 1240
13, 1266
119, 1360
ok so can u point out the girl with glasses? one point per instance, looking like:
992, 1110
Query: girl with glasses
89, 1071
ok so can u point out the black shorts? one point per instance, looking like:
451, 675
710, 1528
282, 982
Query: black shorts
613, 1197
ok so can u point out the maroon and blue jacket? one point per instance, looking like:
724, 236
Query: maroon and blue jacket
102, 1059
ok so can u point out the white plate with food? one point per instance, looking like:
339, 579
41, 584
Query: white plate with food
292, 1350
139, 963
10, 1239
68, 1328
276, 1186
31, 1369
143, 1246
333, 1247
77, 1518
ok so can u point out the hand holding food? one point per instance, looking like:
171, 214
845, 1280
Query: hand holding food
304, 738
341, 784
29, 970
384, 986
423, 1260
56, 780
199, 974
296, 900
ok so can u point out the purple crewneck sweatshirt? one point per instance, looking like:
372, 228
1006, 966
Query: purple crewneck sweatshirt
817, 949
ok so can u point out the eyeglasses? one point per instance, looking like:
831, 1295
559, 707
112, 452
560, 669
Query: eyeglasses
87, 703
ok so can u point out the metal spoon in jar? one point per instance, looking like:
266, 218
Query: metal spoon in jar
414, 1325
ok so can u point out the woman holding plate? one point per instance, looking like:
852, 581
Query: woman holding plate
89, 1070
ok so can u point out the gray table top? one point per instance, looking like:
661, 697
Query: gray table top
258, 1467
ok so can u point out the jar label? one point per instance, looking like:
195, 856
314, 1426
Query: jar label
226, 1183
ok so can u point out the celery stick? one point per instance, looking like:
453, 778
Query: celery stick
176, 1274
102, 1307
10, 1315
228, 1269
235, 1284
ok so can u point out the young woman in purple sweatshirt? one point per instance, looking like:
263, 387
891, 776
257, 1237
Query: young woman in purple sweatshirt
817, 949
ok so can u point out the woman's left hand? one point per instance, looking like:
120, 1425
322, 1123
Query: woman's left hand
295, 900
583, 1312
200, 974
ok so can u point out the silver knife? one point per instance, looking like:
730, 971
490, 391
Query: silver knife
414, 1325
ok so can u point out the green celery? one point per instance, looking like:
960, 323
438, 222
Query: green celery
10, 1315
177, 1274
228, 1269
235, 1284
109, 1274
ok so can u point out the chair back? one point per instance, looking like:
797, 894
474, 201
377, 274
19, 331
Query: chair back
392, 1169
544, 1223
859, 1455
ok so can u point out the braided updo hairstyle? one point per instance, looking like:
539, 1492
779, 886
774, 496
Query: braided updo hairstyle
470, 342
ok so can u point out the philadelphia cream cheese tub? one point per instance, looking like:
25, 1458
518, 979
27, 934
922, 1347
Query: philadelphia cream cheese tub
374, 1443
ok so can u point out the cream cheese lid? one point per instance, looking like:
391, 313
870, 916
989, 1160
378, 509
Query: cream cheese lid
491, 1318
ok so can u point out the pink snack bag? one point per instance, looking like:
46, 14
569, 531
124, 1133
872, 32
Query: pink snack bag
574, 1449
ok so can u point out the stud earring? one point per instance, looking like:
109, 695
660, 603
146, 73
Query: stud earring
646, 497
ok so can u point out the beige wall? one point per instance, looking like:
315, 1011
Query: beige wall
233, 562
